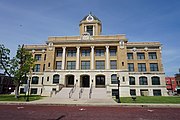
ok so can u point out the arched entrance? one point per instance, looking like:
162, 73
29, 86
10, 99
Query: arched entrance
84, 81
100, 81
69, 80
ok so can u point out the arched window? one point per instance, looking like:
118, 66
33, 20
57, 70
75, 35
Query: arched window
155, 80
56, 79
100, 81
143, 81
132, 80
35, 80
113, 79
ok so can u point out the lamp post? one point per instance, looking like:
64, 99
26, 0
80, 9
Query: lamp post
118, 81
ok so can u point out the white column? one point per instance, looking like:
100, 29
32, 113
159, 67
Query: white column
85, 28
63, 58
77, 58
107, 57
93, 30
92, 57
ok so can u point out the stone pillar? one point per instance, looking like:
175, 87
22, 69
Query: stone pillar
92, 57
77, 58
94, 30
107, 57
63, 58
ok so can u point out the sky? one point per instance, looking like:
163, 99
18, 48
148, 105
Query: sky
32, 21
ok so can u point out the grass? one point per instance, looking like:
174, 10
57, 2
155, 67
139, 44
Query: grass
21, 98
152, 99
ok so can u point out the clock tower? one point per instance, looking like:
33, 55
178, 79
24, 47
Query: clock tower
91, 25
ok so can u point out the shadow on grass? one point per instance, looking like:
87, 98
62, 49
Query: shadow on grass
20, 98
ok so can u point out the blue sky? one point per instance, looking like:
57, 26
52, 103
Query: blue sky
32, 21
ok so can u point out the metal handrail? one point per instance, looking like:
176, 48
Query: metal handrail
72, 91
80, 93
90, 92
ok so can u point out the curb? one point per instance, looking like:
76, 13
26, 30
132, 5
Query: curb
96, 104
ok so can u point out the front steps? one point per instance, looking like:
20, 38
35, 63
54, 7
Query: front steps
97, 93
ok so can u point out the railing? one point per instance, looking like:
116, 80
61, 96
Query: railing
90, 92
80, 93
72, 91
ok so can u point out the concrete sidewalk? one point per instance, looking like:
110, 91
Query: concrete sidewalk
87, 102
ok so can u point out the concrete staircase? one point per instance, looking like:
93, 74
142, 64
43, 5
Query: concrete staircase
75, 95
98, 96
63, 94
85, 94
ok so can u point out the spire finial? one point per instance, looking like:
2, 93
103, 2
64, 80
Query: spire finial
90, 13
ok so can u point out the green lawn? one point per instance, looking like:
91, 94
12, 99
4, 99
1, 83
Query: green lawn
152, 99
21, 98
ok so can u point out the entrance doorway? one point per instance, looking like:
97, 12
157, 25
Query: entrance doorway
85, 81
69, 80
100, 81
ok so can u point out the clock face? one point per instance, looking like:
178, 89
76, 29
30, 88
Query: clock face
89, 18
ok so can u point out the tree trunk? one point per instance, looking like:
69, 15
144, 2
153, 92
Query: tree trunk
17, 91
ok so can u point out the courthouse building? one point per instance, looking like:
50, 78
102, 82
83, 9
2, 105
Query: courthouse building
92, 60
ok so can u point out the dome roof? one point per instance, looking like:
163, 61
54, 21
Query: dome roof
90, 16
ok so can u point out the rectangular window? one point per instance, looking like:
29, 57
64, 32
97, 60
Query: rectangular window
157, 92
100, 64
114, 79
132, 80
131, 67
71, 53
59, 53
113, 64
42, 80
37, 68
152, 55
114, 92
132, 92
100, 52
35, 80
33, 90
153, 67
71, 65
44, 57
58, 65
142, 67
85, 52
85, 65
144, 92
89, 29
44, 67
140, 56
112, 52
130, 56
38, 57
22, 91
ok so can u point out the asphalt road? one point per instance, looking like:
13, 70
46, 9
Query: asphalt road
37, 112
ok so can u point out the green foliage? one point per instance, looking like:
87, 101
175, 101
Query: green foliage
152, 99
23, 62
17, 67
5, 59
21, 98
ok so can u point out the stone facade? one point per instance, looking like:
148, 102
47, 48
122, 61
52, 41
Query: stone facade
96, 60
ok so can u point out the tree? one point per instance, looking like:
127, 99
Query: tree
17, 67
22, 62
5, 59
